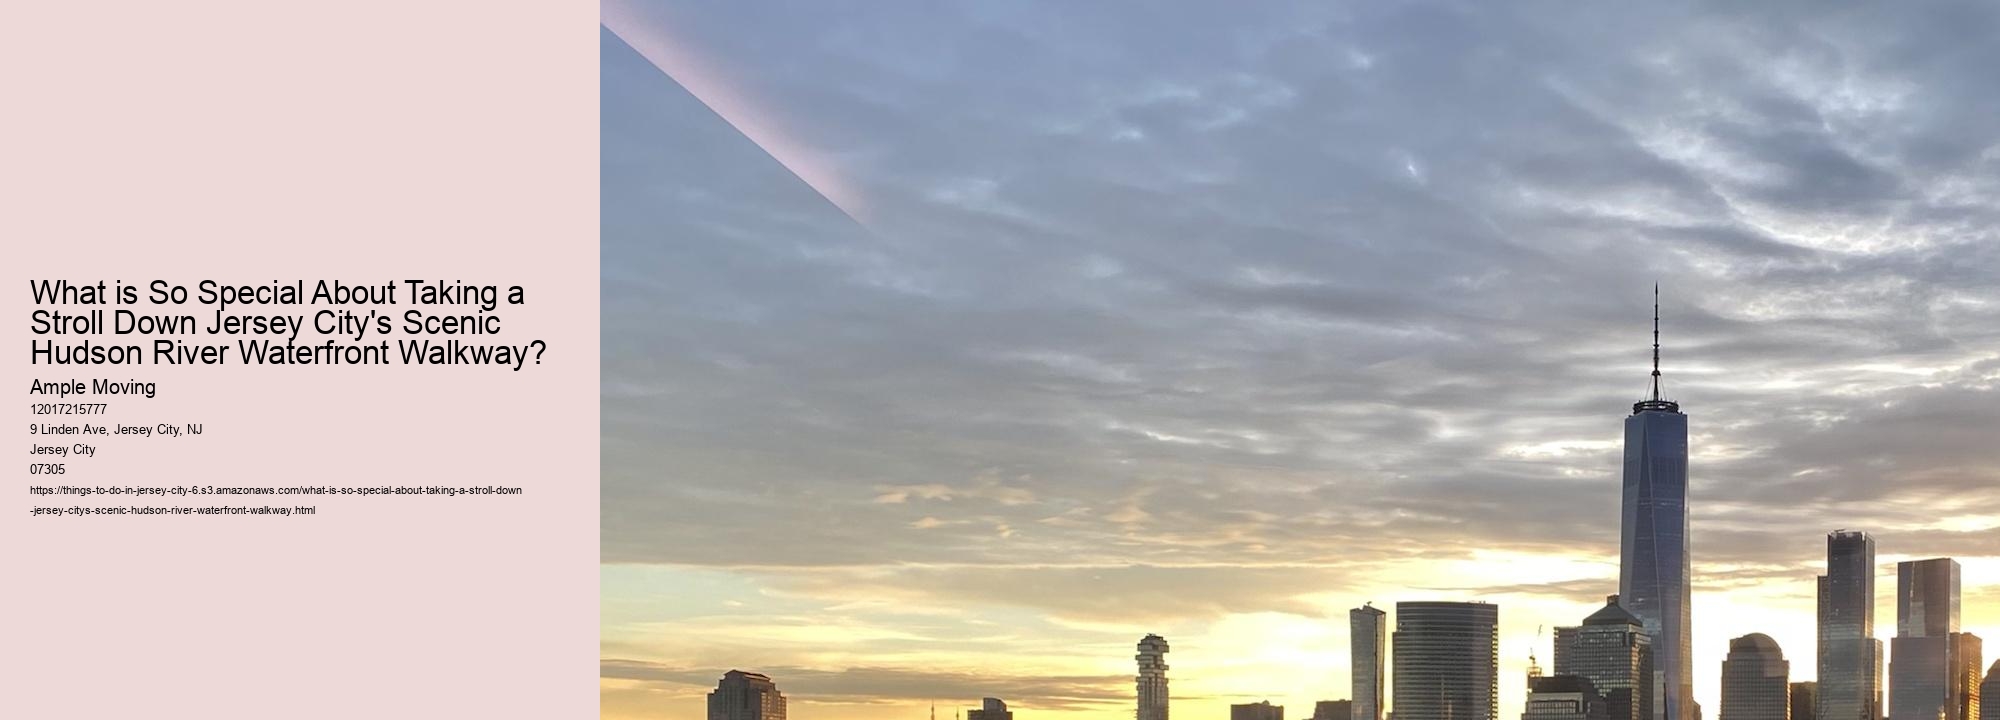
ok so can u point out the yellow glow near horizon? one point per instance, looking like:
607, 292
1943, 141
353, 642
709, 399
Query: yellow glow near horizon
1292, 660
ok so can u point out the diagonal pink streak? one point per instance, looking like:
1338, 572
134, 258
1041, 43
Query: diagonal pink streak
703, 78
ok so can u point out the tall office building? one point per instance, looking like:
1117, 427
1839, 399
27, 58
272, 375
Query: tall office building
1920, 678
1989, 694
1654, 567
990, 709
1565, 640
745, 696
1333, 710
1152, 679
1756, 680
1932, 666
1366, 633
1446, 660
1611, 648
1805, 700
1927, 597
1849, 658
1563, 697
1257, 711
1964, 662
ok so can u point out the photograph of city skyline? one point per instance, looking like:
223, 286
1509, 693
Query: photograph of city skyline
1287, 361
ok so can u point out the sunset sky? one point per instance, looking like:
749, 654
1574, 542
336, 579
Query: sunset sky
950, 348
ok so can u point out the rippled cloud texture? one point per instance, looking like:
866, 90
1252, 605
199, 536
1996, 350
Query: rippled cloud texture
951, 347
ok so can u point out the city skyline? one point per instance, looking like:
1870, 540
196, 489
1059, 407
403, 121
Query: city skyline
951, 348
1452, 649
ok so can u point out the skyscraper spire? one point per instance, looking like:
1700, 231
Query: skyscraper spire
1656, 342
1654, 568
1654, 401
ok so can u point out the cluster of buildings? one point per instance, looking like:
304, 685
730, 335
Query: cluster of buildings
1446, 660
1632, 658
753, 696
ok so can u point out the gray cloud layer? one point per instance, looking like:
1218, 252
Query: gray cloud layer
1248, 299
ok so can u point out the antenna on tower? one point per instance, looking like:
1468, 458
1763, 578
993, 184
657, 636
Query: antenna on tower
1656, 342
1655, 402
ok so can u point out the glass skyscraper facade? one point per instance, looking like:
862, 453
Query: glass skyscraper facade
1446, 658
1850, 658
1935, 677
1367, 630
1964, 660
1612, 650
1919, 678
1654, 567
1933, 667
1927, 597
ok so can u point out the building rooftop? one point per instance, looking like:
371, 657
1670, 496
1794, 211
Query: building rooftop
1612, 614
1755, 642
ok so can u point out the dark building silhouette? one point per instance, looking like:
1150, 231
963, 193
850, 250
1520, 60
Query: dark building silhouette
745, 696
1367, 629
990, 709
1756, 680
1654, 567
1612, 650
1989, 694
1849, 657
1333, 710
1563, 697
1152, 678
1805, 700
1257, 711
1446, 658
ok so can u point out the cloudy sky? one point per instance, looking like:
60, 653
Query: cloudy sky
951, 347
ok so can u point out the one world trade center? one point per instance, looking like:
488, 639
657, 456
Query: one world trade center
1653, 566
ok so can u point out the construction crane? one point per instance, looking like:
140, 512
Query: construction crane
1534, 667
